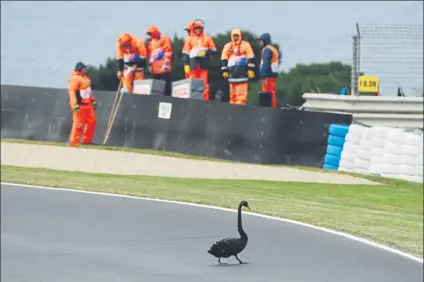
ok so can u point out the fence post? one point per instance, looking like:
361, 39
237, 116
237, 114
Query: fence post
355, 67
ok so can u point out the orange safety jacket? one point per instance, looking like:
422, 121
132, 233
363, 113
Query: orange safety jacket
193, 45
270, 58
79, 89
159, 52
134, 55
237, 58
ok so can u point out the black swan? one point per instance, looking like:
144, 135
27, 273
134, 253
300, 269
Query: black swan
231, 246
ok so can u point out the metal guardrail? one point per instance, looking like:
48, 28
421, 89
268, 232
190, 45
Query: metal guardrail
404, 112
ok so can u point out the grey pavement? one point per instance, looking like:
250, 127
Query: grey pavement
52, 236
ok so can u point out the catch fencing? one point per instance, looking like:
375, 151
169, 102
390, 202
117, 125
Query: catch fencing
393, 53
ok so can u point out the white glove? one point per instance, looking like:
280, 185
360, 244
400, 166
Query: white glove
124, 90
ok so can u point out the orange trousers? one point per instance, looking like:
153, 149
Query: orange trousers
270, 85
86, 115
128, 79
239, 92
201, 74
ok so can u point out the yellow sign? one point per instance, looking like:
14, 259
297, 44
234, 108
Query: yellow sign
368, 83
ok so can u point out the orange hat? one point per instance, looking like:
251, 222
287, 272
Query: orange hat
152, 29
125, 39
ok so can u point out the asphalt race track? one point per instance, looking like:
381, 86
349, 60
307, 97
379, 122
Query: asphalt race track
53, 236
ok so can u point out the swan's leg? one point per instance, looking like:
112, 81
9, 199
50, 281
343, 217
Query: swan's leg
219, 261
239, 260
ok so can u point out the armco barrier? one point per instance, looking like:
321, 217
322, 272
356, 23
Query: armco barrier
406, 112
383, 151
335, 142
205, 128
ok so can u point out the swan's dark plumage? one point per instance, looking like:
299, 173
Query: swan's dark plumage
228, 247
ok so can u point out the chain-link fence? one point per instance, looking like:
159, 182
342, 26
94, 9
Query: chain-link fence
393, 53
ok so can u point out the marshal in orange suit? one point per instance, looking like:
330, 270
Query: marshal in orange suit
130, 56
197, 51
268, 69
83, 105
238, 66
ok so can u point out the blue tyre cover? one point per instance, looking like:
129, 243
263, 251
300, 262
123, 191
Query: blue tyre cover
330, 160
335, 151
339, 130
336, 140
330, 167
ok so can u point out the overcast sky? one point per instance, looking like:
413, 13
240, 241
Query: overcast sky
78, 30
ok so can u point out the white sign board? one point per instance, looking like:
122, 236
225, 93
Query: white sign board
165, 110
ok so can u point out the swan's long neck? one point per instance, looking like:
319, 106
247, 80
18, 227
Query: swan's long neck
239, 224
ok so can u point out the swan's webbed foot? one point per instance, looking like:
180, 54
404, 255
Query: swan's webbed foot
219, 261
239, 260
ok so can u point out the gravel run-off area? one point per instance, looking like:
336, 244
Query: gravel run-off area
128, 163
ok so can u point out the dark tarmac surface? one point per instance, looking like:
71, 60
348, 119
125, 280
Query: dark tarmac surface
53, 236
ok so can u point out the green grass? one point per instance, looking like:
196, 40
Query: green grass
390, 213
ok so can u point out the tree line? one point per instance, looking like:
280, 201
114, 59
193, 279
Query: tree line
291, 85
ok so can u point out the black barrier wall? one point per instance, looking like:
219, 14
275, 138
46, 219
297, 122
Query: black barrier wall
43, 114
204, 128
213, 129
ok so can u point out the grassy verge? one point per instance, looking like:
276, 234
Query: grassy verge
390, 213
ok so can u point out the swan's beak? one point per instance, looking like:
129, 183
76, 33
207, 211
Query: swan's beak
248, 207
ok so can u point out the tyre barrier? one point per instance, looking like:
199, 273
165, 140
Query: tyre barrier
335, 143
378, 150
